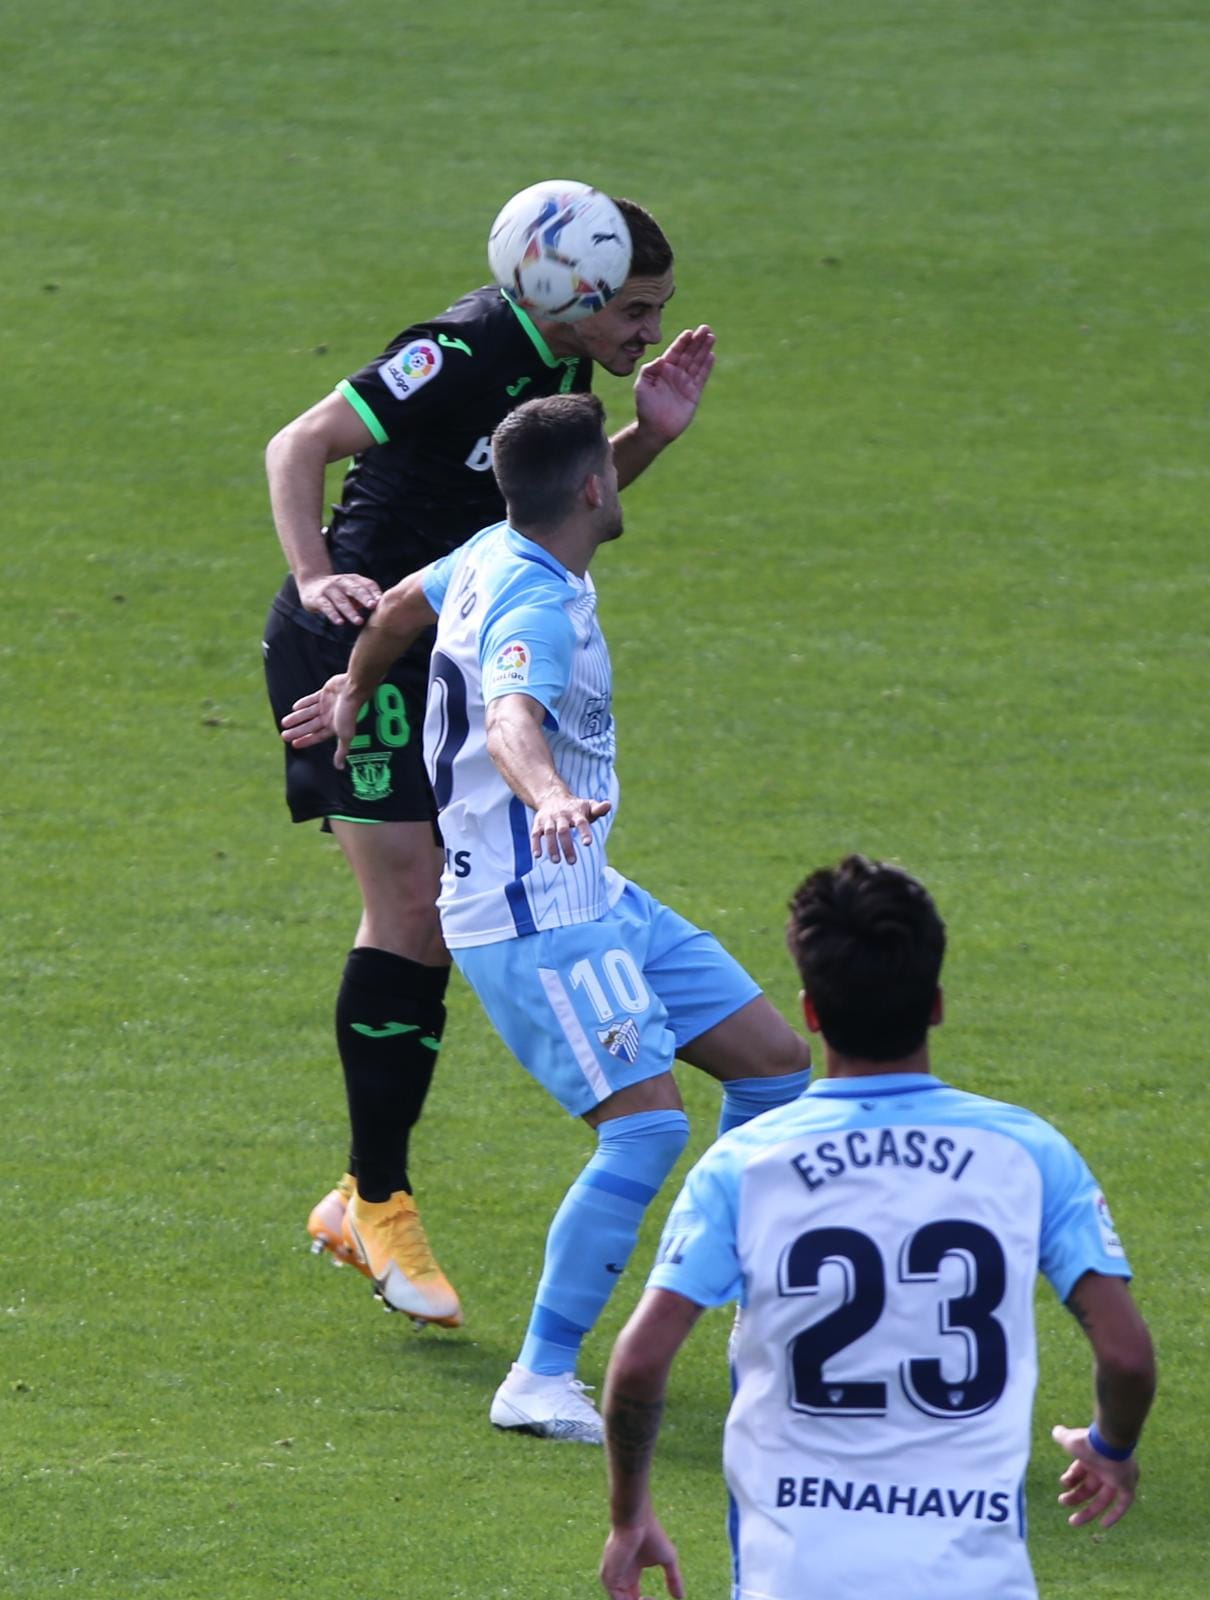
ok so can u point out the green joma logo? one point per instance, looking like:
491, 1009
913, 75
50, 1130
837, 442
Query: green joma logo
444, 340
515, 389
389, 1030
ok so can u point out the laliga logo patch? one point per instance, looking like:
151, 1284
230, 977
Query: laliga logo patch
1109, 1234
410, 368
512, 664
513, 655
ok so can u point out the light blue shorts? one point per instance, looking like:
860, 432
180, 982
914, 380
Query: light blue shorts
594, 1007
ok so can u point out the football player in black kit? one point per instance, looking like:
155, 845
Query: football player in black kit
417, 421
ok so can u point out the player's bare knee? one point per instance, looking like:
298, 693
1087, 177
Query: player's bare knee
401, 894
405, 922
417, 908
659, 1093
772, 1047
783, 1052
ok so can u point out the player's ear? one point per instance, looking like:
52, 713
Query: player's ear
594, 490
937, 1014
810, 1015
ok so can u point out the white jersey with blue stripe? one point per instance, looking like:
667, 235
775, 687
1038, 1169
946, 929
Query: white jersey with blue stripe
514, 620
883, 1236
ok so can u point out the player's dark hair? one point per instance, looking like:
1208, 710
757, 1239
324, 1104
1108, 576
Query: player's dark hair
868, 942
543, 451
650, 252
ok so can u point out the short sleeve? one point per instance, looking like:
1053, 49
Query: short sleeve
528, 650
1078, 1234
414, 378
698, 1255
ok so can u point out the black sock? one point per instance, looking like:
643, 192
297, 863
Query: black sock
390, 1014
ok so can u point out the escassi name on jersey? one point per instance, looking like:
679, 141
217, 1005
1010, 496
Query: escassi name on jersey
913, 1148
889, 1500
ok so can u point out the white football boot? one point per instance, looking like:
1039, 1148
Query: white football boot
555, 1407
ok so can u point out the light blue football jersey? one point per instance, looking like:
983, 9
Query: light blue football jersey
514, 620
883, 1236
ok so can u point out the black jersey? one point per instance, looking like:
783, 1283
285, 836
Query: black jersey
432, 401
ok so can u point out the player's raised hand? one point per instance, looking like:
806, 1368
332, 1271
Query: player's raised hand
560, 820
340, 596
1096, 1485
629, 1550
667, 390
326, 713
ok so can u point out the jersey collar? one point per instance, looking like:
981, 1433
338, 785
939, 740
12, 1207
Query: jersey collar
539, 343
876, 1085
529, 551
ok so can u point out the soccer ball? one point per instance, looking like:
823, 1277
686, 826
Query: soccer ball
560, 249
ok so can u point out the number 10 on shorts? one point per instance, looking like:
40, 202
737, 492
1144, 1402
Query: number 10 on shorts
620, 975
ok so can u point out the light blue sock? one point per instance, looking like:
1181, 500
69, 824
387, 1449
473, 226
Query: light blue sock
594, 1231
745, 1098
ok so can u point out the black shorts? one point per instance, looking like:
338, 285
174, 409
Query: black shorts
385, 780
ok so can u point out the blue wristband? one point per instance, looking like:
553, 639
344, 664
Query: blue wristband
1106, 1450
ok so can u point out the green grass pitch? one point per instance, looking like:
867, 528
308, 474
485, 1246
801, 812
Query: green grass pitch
927, 579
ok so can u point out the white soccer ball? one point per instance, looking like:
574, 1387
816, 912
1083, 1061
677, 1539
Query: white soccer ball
560, 249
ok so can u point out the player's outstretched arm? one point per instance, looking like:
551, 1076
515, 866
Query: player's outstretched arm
666, 396
1103, 1476
518, 747
294, 462
326, 713
401, 617
633, 1405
